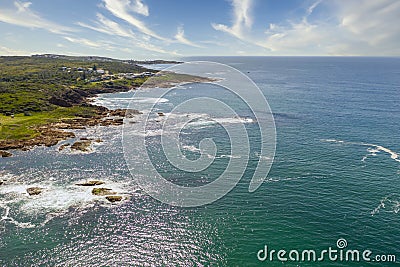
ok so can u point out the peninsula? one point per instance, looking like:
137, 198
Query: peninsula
41, 96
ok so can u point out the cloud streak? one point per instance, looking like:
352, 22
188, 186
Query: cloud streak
23, 16
242, 19
109, 27
180, 37
122, 9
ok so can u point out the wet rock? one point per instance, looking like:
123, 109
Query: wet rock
119, 121
81, 146
5, 154
91, 183
62, 147
102, 191
113, 199
33, 191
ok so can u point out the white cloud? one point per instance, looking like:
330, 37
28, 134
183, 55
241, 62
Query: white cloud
180, 37
354, 27
89, 43
122, 9
12, 52
374, 22
140, 8
242, 19
23, 16
107, 26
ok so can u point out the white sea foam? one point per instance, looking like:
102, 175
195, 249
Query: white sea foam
208, 121
54, 199
389, 204
373, 149
5, 218
123, 102
229, 156
192, 148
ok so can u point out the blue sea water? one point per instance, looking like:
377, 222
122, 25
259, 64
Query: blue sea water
335, 175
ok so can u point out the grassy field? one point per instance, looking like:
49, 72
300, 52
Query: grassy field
28, 83
35, 91
22, 127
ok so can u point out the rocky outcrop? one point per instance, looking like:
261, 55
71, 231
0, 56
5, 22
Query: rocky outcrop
91, 183
47, 137
51, 134
59, 102
68, 98
113, 199
102, 192
33, 191
83, 146
5, 154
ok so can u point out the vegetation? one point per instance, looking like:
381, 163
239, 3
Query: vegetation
21, 127
38, 90
28, 83
41, 89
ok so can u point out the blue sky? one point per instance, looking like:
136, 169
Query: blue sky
148, 29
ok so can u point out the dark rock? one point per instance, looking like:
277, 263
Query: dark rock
102, 192
59, 102
91, 183
5, 154
62, 147
81, 145
33, 191
113, 199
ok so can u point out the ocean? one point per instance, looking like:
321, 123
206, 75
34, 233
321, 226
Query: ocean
335, 177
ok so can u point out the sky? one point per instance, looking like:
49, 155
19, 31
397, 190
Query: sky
172, 29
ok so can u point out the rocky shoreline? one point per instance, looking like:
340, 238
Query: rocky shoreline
52, 133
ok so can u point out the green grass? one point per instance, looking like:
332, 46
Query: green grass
22, 127
28, 83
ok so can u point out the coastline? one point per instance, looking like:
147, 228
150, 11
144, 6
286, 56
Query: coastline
51, 133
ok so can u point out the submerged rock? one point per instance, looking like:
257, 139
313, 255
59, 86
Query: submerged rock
5, 154
114, 198
91, 183
33, 191
82, 146
102, 192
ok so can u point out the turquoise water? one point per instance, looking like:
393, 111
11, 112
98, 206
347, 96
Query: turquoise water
335, 175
